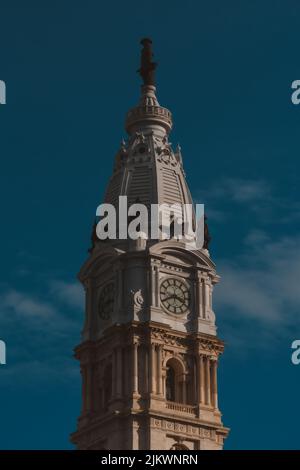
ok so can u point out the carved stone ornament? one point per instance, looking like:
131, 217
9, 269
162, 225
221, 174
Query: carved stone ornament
165, 154
137, 299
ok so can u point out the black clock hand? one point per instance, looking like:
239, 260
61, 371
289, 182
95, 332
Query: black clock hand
170, 297
175, 297
179, 298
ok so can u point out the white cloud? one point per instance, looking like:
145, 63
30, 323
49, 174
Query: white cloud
247, 191
40, 337
255, 198
238, 190
71, 293
33, 371
245, 293
26, 306
263, 283
258, 298
256, 237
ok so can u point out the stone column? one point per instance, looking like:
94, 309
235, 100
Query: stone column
203, 297
183, 385
198, 380
159, 370
210, 295
146, 370
199, 296
207, 298
118, 372
125, 364
214, 364
135, 368
114, 374
152, 368
202, 380
153, 297
156, 286
207, 380
195, 380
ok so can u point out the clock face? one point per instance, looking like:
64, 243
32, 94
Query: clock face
106, 301
175, 296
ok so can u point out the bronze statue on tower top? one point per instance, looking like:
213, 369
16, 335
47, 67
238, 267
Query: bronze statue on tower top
148, 67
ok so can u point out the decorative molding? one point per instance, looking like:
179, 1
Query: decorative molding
191, 430
172, 268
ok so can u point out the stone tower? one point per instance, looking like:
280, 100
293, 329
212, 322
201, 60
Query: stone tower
149, 351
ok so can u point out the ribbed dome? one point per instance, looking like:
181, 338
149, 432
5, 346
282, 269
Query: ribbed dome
146, 168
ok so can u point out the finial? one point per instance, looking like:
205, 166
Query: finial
178, 153
148, 67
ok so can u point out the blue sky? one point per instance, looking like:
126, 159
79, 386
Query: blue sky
225, 71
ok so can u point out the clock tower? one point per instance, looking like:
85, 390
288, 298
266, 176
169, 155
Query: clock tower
149, 352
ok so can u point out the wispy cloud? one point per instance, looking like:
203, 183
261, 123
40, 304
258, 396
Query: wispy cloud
228, 197
50, 322
239, 190
258, 295
26, 306
245, 293
256, 237
260, 289
34, 371
70, 293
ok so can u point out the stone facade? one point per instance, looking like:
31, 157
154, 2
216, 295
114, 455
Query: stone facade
149, 370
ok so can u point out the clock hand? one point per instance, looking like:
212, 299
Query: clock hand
179, 298
170, 297
175, 297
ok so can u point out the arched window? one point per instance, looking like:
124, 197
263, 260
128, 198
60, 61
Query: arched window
170, 384
175, 389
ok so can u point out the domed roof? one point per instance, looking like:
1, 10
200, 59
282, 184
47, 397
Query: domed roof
147, 170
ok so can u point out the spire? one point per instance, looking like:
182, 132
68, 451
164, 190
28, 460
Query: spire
148, 113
